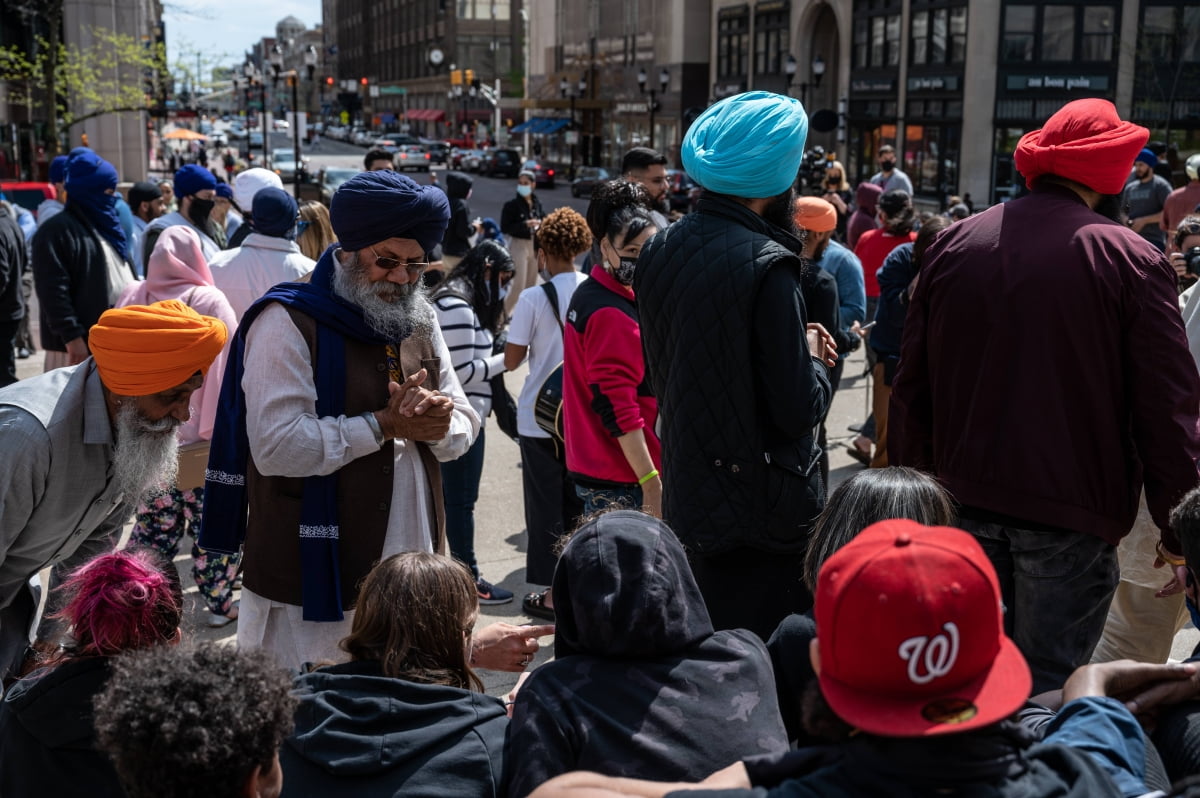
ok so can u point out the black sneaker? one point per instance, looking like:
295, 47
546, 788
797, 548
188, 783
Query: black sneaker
490, 594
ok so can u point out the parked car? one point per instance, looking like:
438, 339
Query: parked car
286, 164
470, 160
387, 145
27, 195
411, 156
682, 191
256, 139
501, 163
543, 176
281, 124
439, 151
586, 179
330, 177
363, 137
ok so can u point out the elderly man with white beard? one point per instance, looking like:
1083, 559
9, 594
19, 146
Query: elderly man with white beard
83, 444
338, 403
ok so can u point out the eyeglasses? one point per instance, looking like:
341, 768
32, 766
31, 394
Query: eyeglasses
414, 268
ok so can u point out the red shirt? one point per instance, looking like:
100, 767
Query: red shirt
605, 394
872, 249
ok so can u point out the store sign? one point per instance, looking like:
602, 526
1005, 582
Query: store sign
873, 85
934, 83
722, 90
632, 108
1068, 82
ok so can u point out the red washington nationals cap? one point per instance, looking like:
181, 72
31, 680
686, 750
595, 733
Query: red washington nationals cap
911, 632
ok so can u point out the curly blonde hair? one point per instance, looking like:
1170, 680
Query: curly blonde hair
564, 234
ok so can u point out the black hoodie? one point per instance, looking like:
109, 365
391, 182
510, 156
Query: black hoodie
362, 734
48, 736
457, 240
641, 685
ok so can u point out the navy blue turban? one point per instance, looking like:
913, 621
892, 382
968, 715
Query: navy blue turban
58, 169
192, 178
87, 180
375, 206
274, 213
225, 190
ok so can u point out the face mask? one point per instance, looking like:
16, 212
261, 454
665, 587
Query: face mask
200, 210
499, 293
624, 270
524, 191
887, 166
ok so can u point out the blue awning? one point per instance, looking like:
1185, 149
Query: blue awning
542, 125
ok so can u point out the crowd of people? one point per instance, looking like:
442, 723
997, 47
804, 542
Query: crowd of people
988, 609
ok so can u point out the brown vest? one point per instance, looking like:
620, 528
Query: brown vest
271, 559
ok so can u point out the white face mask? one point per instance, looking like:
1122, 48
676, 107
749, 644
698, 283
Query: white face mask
501, 293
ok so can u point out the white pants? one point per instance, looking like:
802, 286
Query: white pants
281, 630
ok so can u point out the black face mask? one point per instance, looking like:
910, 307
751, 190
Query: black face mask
200, 210
887, 166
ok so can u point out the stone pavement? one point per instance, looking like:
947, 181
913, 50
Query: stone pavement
499, 518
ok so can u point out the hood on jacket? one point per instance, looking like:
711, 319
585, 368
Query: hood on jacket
867, 197
623, 589
354, 721
458, 185
55, 708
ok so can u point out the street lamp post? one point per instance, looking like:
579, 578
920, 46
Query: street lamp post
253, 76
563, 88
664, 80
818, 71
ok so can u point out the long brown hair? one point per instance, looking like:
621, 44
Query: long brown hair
318, 233
414, 617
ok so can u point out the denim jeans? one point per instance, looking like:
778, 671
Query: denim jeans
460, 491
597, 499
1056, 587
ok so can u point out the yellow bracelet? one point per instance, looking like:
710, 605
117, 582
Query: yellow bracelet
1168, 557
653, 473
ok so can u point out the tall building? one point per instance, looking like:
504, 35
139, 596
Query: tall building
955, 84
396, 58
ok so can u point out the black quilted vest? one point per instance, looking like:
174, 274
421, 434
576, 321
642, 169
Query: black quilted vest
727, 483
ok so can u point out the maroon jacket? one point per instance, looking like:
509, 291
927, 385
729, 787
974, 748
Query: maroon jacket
1044, 371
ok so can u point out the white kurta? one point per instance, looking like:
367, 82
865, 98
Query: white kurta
288, 439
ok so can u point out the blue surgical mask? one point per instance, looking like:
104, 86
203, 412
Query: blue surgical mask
500, 293
524, 191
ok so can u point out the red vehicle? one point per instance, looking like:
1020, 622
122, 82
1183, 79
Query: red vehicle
27, 195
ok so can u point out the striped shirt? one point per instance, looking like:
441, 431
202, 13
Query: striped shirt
470, 346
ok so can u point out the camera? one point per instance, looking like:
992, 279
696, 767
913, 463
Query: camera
811, 176
1191, 259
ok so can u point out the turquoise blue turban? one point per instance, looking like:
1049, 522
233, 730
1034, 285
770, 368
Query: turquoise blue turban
749, 145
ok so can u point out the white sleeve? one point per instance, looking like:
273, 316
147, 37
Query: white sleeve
287, 439
520, 327
464, 422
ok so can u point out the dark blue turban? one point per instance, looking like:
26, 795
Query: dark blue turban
225, 190
192, 178
274, 213
88, 179
375, 206
58, 169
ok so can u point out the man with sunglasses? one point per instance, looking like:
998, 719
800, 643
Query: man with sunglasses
267, 257
341, 402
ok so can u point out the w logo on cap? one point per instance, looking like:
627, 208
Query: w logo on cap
930, 657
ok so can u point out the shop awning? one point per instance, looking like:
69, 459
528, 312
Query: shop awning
427, 114
542, 125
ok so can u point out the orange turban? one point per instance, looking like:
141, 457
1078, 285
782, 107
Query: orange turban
1084, 141
815, 214
144, 349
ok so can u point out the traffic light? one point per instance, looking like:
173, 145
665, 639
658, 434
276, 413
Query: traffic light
363, 81
456, 77
329, 81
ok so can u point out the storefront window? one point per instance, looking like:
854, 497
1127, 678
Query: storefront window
770, 42
861, 39
1098, 24
893, 40
937, 38
920, 30
1019, 22
1170, 34
1058, 33
733, 40
958, 35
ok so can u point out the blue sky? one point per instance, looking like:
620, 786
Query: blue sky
224, 29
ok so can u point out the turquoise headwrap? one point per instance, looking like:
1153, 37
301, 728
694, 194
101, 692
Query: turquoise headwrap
749, 145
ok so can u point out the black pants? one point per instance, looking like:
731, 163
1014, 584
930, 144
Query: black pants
8, 352
551, 505
751, 589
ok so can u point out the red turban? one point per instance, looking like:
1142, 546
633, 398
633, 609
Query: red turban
144, 349
1086, 142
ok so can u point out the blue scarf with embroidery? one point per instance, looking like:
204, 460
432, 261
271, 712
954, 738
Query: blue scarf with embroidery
223, 527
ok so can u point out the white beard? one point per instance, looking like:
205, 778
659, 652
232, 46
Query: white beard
393, 311
146, 458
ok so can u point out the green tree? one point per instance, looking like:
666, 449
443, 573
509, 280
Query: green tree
114, 73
